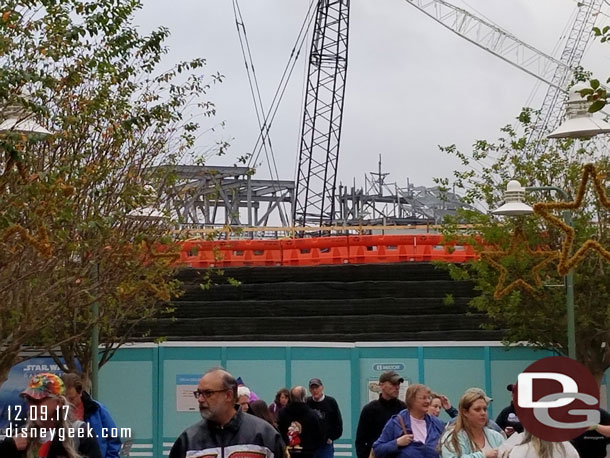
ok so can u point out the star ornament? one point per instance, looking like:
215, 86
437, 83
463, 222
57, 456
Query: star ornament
518, 247
543, 209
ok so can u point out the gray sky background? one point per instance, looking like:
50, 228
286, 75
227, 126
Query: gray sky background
411, 84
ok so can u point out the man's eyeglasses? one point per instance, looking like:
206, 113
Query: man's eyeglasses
205, 394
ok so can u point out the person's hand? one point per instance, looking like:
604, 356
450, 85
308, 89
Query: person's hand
21, 442
404, 440
445, 402
491, 453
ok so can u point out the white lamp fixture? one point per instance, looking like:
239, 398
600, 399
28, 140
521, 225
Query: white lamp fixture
513, 201
15, 119
579, 123
146, 214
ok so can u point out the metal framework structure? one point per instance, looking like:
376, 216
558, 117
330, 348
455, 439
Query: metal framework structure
388, 204
322, 115
209, 197
492, 39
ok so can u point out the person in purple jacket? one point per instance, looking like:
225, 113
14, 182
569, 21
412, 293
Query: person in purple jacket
412, 433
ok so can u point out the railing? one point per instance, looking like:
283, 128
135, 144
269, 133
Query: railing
349, 249
269, 232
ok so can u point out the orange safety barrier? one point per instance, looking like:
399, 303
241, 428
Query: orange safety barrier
357, 249
315, 251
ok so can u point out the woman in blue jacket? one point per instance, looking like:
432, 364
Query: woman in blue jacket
412, 433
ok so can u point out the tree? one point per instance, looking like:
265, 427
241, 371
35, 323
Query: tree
536, 316
68, 237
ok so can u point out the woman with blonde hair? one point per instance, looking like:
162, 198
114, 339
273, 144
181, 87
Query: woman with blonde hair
413, 432
469, 437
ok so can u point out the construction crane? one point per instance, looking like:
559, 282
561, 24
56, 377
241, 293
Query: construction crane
322, 116
554, 72
321, 130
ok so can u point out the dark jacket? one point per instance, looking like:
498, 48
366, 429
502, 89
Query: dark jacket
373, 418
330, 417
310, 435
98, 417
386, 445
508, 417
592, 444
244, 435
87, 448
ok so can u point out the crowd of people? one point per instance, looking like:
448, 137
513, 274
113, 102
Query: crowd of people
235, 423
63, 422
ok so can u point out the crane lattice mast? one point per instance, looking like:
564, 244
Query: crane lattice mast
552, 107
322, 116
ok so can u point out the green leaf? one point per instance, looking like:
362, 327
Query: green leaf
597, 105
594, 84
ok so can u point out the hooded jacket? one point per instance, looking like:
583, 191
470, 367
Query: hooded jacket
245, 436
310, 434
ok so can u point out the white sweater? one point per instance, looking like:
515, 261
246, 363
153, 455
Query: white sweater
509, 450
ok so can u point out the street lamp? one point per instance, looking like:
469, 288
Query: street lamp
514, 206
16, 120
579, 123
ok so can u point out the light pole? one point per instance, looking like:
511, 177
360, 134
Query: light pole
514, 206
579, 123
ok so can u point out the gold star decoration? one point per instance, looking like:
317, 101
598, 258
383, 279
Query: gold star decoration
518, 244
543, 209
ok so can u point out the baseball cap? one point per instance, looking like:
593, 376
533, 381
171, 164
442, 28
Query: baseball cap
479, 392
315, 382
390, 376
44, 385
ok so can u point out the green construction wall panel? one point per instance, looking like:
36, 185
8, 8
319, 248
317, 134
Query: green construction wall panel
175, 422
264, 377
335, 375
369, 372
126, 388
451, 370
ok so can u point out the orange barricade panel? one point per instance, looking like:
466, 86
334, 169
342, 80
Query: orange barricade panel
357, 249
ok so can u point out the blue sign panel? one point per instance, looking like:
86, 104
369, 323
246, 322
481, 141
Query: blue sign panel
388, 367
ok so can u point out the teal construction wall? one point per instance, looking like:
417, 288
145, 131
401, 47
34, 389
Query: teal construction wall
139, 385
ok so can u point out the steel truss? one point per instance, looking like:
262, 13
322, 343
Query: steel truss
388, 204
207, 197
323, 113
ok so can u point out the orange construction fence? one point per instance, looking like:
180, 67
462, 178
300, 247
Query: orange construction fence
358, 249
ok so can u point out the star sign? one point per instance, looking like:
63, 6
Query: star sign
518, 244
543, 209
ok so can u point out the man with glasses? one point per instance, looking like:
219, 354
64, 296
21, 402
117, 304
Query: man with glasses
224, 429
376, 413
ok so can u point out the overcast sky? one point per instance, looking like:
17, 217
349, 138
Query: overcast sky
411, 84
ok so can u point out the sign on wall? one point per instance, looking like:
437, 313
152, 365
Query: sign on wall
185, 385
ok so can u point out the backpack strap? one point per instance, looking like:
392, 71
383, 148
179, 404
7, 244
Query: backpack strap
402, 424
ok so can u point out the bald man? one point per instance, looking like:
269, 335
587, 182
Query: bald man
300, 426
224, 430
